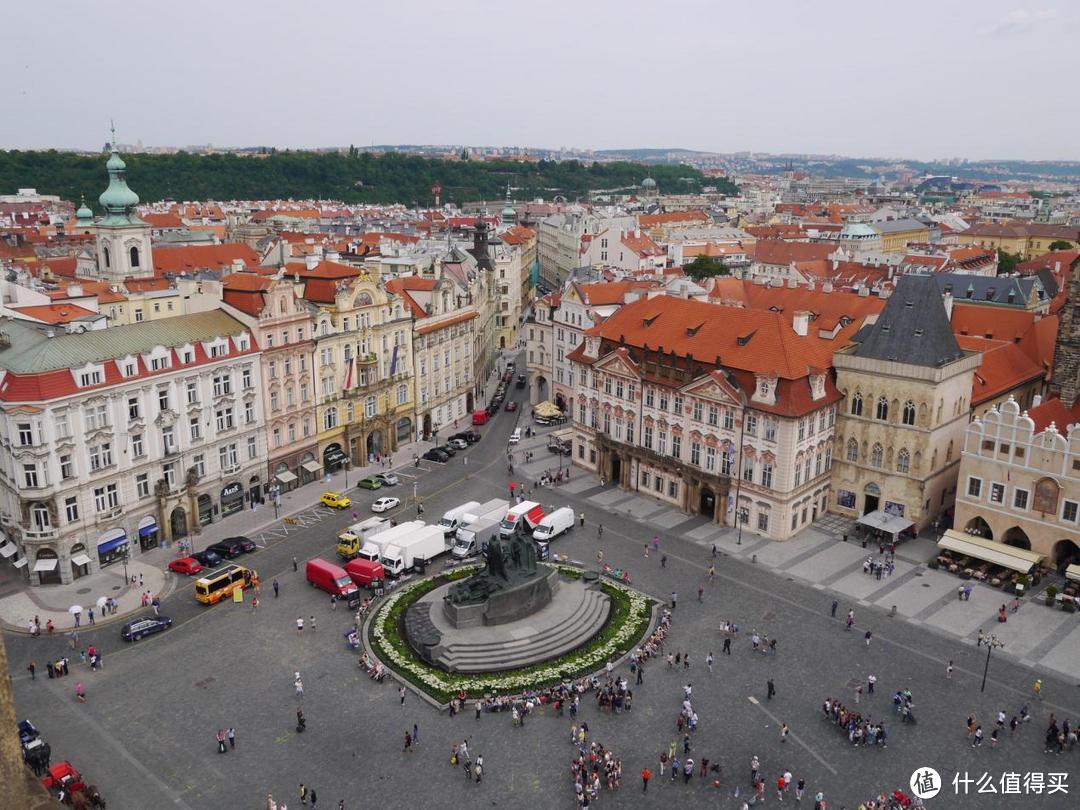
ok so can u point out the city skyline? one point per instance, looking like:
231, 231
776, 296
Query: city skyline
730, 79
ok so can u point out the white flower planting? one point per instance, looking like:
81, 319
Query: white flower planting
395, 653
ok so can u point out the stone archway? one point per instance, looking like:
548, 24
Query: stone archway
979, 527
615, 464
1065, 553
707, 502
47, 567
374, 444
427, 424
1017, 537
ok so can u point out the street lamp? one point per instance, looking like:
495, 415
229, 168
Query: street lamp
742, 514
348, 463
992, 643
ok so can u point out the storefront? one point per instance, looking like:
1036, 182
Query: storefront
148, 533
112, 547
333, 458
47, 567
206, 510
232, 499
255, 493
404, 430
80, 561
312, 470
284, 478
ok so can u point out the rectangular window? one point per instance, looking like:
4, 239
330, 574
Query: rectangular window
196, 428
710, 459
607, 385
646, 437
61, 426
729, 420
748, 470
222, 385
163, 399
607, 423
619, 388
225, 419
581, 412
663, 401
802, 430
658, 483
649, 397
30, 475
696, 411
168, 439
727, 461
763, 521
770, 431
661, 442
974, 489
137, 449
695, 454
714, 416
631, 391
677, 404
676, 446
133, 408
997, 493
96, 417
1020, 499
253, 447
673, 488
1069, 511
192, 393
751, 425
67, 467
142, 485
71, 508
766, 475
798, 475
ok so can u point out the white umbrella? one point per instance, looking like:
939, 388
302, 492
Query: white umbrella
101, 601
75, 609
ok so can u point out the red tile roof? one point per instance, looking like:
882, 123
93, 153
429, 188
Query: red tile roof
324, 269
1053, 410
192, 258
671, 217
779, 252
456, 319
54, 313
167, 220
1004, 366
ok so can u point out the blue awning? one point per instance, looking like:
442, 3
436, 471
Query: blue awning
146, 531
111, 541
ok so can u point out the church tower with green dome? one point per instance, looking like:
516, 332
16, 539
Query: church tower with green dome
123, 240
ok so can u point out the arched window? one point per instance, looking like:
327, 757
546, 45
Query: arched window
882, 411
876, 454
133, 254
852, 450
909, 413
108, 257
903, 460
856, 405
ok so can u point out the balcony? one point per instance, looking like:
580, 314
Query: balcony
109, 514
38, 534
367, 359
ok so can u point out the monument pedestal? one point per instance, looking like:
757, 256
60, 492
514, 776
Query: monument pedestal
505, 606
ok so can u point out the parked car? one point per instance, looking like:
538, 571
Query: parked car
458, 444
208, 558
247, 545
515, 437
145, 626
520, 381
468, 436
370, 482
385, 503
556, 445
435, 454
491, 410
388, 479
480, 417
511, 365
446, 448
335, 500
511, 406
185, 565
226, 550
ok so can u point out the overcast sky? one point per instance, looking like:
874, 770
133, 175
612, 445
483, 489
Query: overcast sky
971, 78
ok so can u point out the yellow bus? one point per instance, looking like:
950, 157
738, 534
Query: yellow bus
221, 583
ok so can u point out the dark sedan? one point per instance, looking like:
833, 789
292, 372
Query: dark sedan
146, 626
435, 454
208, 558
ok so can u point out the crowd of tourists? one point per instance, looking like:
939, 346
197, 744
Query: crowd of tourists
860, 729
593, 769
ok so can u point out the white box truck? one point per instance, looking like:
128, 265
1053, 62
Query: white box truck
373, 546
526, 514
474, 537
558, 522
453, 517
422, 545
352, 537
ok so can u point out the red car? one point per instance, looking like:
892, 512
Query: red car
511, 406
185, 565
63, 775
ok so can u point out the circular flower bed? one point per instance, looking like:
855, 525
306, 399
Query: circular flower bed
628, 621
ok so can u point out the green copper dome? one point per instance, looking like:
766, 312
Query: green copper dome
84, 214
118, 200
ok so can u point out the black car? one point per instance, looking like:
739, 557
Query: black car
435, 454
228, 548
146, 626
470, 436
450, 451
492, 409
208, 558
247, 545
521, 381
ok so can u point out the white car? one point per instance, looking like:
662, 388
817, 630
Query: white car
385, 504
458, 444
515, 437
388, 479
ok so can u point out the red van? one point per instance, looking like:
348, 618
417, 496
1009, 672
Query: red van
362, 572
329, 577
480, 417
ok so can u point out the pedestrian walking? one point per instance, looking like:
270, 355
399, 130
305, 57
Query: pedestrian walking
581, 517
299, 625
754, 767
479, 708
232, 737
312, 621
333, 601
674, 599
408, 743
254, 603
32, 669
784, 730
646, 775
868, 636
276, 586
771, 689
646, 551
800, 789
871, 679
221, 737
314, 799
303, 794
90, 615
858, 694
401, 695
832, 610
599, 529
663, 560
709, 661
712, 570
415, 734
1038, 689
948, 671
295, 566
700, 592
977, 742
727, 645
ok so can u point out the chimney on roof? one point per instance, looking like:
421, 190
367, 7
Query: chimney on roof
800, 322
947, 299
311, 261
74, 290
793, 283
333, 256
864, 291
827, 286
237, 265
1036, 401
637, 233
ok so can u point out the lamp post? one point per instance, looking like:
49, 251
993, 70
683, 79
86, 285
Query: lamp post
124, 559
992, 643
348, 463
742, 514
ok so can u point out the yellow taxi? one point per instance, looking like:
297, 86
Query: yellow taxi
335, 500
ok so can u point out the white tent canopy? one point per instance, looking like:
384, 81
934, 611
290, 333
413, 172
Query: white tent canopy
883, 521
1017, 559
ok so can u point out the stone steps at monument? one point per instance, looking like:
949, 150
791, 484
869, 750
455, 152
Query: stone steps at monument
582, 625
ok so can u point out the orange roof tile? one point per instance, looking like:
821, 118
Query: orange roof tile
779, 252
54, 313
671, 217
456, 319
1053, 410
192, 258
1004, 366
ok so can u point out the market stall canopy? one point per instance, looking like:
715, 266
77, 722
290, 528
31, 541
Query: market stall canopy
1017, 559
547, 408
883, 521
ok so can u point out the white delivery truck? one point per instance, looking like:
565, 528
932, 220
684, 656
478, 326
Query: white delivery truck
453, 517
558, 522
526, 514
373, 546
418, 548
474, 537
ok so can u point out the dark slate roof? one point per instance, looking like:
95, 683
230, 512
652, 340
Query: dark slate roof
991, 289
913, 328
1046, 276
